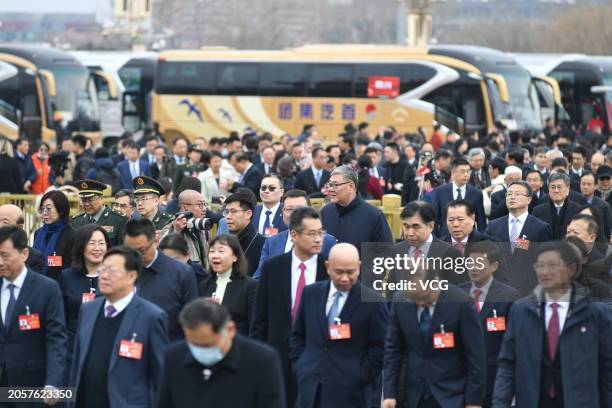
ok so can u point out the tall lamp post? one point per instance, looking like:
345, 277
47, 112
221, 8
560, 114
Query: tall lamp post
418, 22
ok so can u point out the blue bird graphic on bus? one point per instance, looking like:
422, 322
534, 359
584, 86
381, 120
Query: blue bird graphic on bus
193, 108
225, 114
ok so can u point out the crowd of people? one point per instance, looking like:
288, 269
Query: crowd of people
211, 280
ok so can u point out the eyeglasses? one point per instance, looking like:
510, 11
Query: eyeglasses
334, 186
89, 200
107, 270
513, 194
143, 199
200, 204
557, 188
48, 210
268, 188
121, 206
541, 266
232, 212
313, 234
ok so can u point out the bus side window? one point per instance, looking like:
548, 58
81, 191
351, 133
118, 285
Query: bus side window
282, 79
364, 71
237, 79
331, 80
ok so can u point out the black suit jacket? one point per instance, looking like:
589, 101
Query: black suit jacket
519, 263
239, 299
35, 260
251, 180
63, 249
248, 376
443, 195
272, 322
485, 179
547, 213
35, 358
305, 180
499, 298
342, 368
454, 376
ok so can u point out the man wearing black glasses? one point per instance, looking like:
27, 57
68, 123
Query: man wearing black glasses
268, 216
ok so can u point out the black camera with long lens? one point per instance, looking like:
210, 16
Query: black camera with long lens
200, 224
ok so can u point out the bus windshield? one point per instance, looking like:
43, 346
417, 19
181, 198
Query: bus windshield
75, 93
524, 105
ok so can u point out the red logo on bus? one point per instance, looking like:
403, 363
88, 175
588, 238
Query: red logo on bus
383, 86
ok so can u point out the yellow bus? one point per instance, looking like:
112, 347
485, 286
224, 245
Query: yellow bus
49, 85
211, 92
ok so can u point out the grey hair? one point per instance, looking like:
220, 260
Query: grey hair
476, 151
559, 176
554, 152
347, 173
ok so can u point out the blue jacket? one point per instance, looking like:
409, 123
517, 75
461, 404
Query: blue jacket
35, 358
126, 174
275, 245
357, 223
443, 195
131, 382
344, 369
277, 221
584, 348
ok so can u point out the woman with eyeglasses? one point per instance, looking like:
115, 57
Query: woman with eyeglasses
228, 283
39, 181
54, 239
79, 283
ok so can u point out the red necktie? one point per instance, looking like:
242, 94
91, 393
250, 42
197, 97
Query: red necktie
298, 293
476, 294
553, 341
417, 253
460, 247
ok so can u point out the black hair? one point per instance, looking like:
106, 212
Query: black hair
331, 147
151, 137
203, 311
469, 208
176, 242
80, 140
459, 162
517, 155
240, 157
130, 144
126, 193
394, 146
245, 201
490, 249
17, 236
81, 238
525, 185
592, 226
132, 258
534, 171
141, 226
420, 208
499, 164
175, 141
563, 248
559, 161
581, 150
295, 193
274, 176
298, 215
316, 150
241, 266
443, 154
61, 203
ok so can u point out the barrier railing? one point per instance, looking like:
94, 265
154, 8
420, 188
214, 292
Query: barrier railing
390, 205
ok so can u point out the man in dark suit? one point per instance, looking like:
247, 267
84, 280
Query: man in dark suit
238, 373
559, 209
268, 216
281, 286
266, 165
250, 176
479, 177
282, 242
557, 351
324, 362
120, 339
512, 174
437, 337
521, 234
461, 222
12, 215
238, 213
132, 166
315, 177
536, 181
33, 329
588, 185
165, 282
378, 170
492, 300
458, 189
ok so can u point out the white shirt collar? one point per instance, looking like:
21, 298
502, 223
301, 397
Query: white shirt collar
18, 281
484, 289
463, 241
522, 218
563, 301
455, 187
333, 290
273, 209
308, 262
424, 246
121, 304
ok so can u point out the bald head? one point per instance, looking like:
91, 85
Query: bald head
190, 200
343, 266
11, 215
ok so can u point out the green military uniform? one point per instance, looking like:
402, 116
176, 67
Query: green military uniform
186, 170
147, 185
110, 220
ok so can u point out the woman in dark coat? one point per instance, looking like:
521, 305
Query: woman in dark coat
79, 284
10, 182
55, 238
228, 283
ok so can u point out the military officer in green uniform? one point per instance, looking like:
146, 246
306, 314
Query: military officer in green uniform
94, 211
147, 192
192, 168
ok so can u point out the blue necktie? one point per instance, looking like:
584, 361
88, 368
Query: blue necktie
318, 178
425, 325
267, 221
10, 307
334, 310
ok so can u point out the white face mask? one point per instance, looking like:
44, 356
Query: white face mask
207, 356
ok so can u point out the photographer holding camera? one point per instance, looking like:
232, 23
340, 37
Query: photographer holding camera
192, 225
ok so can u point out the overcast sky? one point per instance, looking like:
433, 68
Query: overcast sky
101, 7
